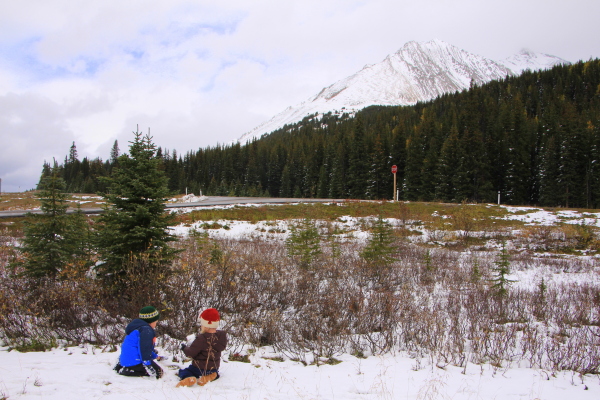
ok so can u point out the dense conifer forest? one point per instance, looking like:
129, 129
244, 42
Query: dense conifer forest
534, 138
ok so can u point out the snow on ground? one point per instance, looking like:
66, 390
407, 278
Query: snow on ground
86, 373
188, 198
529, 215
267, 230
187, 210
235, 229
539, 216
86, 199
527, 277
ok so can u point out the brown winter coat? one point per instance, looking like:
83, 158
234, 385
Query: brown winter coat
206, 350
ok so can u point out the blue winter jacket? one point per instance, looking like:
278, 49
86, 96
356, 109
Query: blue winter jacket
138, 346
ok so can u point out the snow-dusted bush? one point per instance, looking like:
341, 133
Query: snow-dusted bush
427, 302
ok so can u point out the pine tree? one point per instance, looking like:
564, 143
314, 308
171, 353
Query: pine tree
549, 172
501, 269
518, 153
475, 271
133, 233
593, 181
379, 252
447, 166
471, 176
358, 163
286, 184
80, 240
54, 239
573, 156
533, 137
73, 153
413, 182
114, 152
323, 182
378, 186
304, 243
338, 186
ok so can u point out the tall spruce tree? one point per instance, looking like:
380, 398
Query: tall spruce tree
73, 153
358, 164
413, 182
378, 174
133, 237
549, 172
447, 166
115, 152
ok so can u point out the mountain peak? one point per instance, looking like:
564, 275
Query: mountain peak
526, 52
529, 60
418, 71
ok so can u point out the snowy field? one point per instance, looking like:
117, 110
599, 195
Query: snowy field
539, 216
85, 372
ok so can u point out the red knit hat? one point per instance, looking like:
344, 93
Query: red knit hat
209, 318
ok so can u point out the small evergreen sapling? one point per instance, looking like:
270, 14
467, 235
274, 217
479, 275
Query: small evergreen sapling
475, 272
334, 241
380, 251
304, 242
540, 302
428, 271
501, 270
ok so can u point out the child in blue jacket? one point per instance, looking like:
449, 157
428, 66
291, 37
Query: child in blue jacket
137, 352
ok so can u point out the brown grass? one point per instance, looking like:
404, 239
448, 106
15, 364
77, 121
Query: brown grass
428, 302
28, 201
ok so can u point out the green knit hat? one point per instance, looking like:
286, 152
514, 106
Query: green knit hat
149, 314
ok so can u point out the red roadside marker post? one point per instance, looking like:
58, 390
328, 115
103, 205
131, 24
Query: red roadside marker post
394, 170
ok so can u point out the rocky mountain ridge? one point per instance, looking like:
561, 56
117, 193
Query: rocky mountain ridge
416, 72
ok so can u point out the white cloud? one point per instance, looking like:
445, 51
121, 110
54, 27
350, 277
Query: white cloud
33, 131
201, 72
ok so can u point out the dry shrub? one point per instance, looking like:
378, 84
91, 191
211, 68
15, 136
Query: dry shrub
403, 213
580, 237
578, 350
540, 237
46, 310
465, 220
426, 302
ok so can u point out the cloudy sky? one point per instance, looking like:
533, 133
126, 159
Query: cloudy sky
198, 73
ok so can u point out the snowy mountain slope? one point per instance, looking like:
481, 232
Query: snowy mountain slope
526, 59
416, 72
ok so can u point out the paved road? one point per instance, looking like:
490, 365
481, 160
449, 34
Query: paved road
210, 201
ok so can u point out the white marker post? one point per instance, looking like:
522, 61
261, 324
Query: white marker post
394, 170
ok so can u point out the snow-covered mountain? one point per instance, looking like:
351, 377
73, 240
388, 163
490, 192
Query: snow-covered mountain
416, 72
526, 59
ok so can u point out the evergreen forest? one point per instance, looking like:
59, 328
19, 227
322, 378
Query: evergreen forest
534, 138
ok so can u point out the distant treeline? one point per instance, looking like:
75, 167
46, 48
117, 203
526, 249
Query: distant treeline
533, 138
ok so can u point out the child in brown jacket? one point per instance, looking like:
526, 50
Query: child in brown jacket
205, 351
